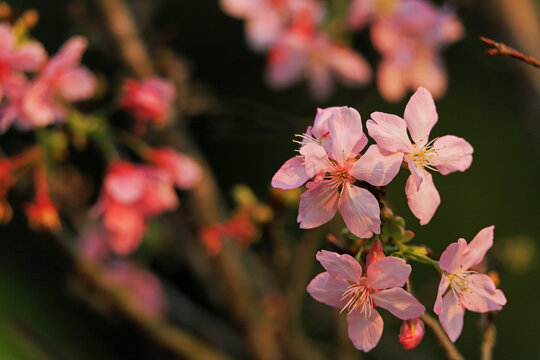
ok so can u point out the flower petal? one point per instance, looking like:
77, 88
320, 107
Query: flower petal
452, 258
482, 295
365, 332
443, 286
478, 247
389, 131
424, 201
345, 129
350, 65
377, 166
453, 154
420, 115
360, 210
415, 172
451, 316
327, 289
392, 79
343, 266
77, 84
290, 175
315, 158
320, 125
387, 273
317, 205
399, 302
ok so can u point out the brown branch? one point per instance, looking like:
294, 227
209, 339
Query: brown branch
452, 353
489, 342
500, 49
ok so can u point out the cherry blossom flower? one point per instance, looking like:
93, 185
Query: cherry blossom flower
184, 170
132, 194
411, 333
148, 100
445, 154
266, 20
410, 40
304, 52
363, 12
344, 286
462, 288
328, 154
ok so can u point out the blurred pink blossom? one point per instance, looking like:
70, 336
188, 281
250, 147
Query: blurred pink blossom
363, 12
149, 99
183, 170
411, 333
461, 288
131, 195
302, 52
444, 154
344, 286
410, 40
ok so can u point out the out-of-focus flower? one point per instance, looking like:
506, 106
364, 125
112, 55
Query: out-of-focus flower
132, 194
266, 20
411, 333
92, 244
43, 214
148, 100
410, 40
445, 154
344, 286
328, 154
40, 102
363, 12
184, 170
461, 288
302, 52
145, 288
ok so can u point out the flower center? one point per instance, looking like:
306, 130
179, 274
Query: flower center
357, 297
422, 155
339, 175
459, 282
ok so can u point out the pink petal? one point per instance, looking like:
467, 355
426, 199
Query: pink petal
453, 154
443, 286
285, 66
451, 316
365, 332
77, 84
291, 175
399, 302
315, 158
320, 125
327, 289
360, 210
478, 247
389, 131
416, 173
377, 166
392, 80
263, 29
482, 295
424, 202
429, 71
420, 115
239, 8
320, 80
452, 258
388, 273
124, 182
350, 65
29, 57
345, 133
125, 226
318, 205
342, 266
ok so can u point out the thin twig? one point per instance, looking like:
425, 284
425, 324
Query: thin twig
500, 49
490, 334
452, 353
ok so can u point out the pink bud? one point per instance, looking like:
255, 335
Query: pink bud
411, 333
376, 253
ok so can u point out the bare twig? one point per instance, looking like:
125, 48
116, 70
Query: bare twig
500, 49
488, 343
452, 353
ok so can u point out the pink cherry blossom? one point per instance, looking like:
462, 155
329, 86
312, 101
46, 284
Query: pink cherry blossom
445, 154
148, 100
411, 333
462, 288
410, 40
363, 12
344, 286
131, 195
329, 155
184, 170
302, 52
266, 20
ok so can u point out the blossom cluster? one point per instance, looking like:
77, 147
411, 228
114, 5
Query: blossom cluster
305, 39
339, 177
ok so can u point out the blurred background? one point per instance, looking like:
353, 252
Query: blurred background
243, 130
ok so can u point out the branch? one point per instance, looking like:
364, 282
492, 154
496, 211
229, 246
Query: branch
490, 334
500, 49
452, 353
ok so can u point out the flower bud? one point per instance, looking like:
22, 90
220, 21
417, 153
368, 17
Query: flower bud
411, 333
376, 253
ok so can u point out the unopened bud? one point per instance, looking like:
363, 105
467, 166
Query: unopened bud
411, 333
375, 253
387, 214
